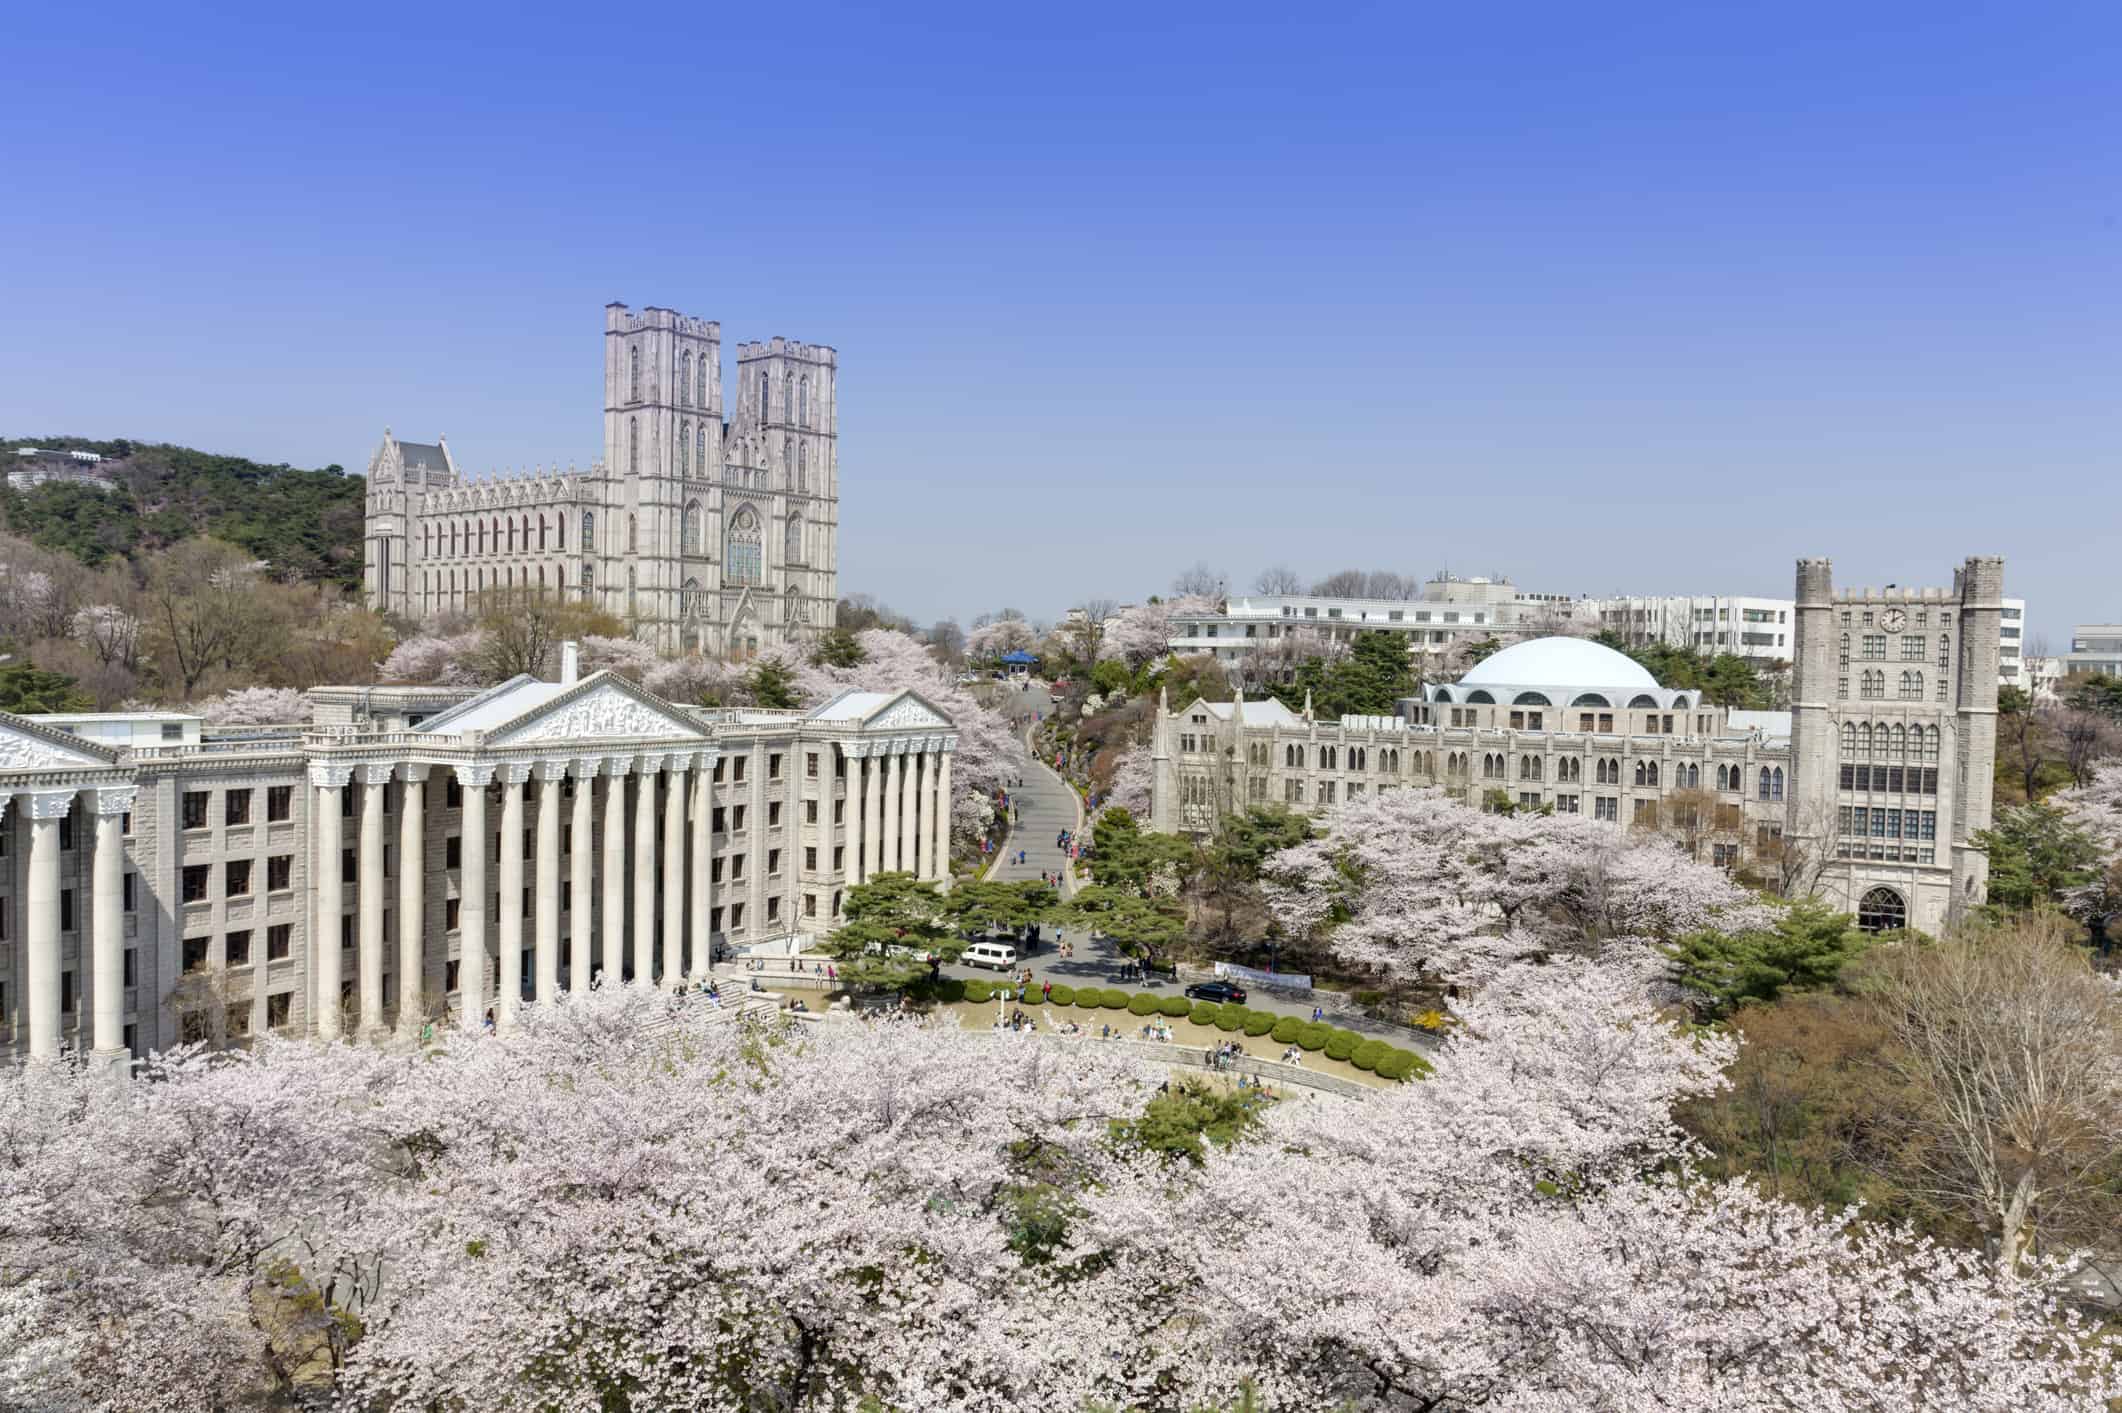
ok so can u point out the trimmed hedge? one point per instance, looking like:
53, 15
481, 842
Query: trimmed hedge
1113, 999
1229, 1016
1259, 1023
1090, 998
1314, 1036
1285, 1031
979, 991
1204, 1013
1401, 1064
1368, 1054
1175, 1007
1342, 1044
950, 990
1062, 996
1143, 1004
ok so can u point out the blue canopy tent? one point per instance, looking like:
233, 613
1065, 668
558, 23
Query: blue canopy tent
1019, 658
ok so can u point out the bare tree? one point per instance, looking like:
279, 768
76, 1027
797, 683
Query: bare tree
2013, 1046
1087, 629
200, 611
1342, 584
1200, 581
1277, 579
1795, 859
947, 638
2087, 737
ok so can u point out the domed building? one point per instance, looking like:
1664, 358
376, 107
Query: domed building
1869, 792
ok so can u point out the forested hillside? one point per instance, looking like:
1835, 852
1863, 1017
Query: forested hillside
305, 524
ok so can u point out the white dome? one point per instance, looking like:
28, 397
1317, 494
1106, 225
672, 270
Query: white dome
1559, 662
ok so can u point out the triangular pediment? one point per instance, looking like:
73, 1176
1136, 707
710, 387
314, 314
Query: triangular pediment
906, 712
604, 707
28, 745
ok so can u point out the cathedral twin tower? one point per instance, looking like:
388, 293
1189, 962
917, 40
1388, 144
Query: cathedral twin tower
703, 536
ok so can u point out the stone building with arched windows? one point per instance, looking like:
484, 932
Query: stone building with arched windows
704, 535
1870, 791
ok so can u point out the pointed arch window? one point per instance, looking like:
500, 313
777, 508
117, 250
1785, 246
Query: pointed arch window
792, 549
1775, 783
700, 383
685, 443
633, 373
743, 563
690, 534
803, 402
589, 531
787, 476
685, 380
766, 383
788, 397
633, 534
803, 467
700, 448
560, 530
633, 444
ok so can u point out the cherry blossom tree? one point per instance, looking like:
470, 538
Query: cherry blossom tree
628, 657
1415, 881
1130, 787
1143, 632
1003, 635
443, 660
257, 706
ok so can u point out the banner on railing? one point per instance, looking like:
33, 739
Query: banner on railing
1284, 980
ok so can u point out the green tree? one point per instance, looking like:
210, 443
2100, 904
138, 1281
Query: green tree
1229, 873
1180, 1121
1126, 858
1141, 927
25, 689
773, 686
2096, 692
838, 648
893, 920
2035, 854
1007, 907
1806, 950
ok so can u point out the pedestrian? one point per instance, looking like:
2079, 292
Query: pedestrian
832, 973
1046, 991
1316, 1013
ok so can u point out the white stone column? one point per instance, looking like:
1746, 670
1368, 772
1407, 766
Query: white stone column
852, 809
909, 830
471, 899
644, 854
614, 865
368, 876
412, 901
939, 801
888, 852
550, 774
45, 809
674, 874
108, 962
703, 895
508, 991
581, 845
331, 896
872, 812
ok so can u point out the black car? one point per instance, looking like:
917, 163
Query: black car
1216, 991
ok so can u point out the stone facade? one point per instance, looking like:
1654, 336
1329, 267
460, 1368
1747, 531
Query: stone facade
704, 535
1871, 789
157, 893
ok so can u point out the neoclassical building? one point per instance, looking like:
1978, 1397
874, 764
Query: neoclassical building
706, 536
419, 852
1880, 774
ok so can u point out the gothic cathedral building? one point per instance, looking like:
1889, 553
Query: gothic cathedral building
702, 535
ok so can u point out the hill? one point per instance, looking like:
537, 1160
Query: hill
306, 524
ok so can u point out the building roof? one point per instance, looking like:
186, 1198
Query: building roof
1266, 712
423, 454
1560, 662
851, 705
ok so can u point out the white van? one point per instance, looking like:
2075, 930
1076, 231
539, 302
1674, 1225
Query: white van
999, 955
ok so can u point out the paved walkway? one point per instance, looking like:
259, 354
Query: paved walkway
1045, 805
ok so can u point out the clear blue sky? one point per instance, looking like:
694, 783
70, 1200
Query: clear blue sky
1648, 298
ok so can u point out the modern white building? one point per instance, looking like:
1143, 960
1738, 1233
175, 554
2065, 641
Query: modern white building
2095, 648
1880, 774
1452, 610
1742, 625
419, 853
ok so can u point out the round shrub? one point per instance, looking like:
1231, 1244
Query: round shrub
1367, 1055
1314, 1037
979, 991
1062, 996
1204, 1013
950, 990
1229, 1016
1113, 999
1259, 1023
1089, 998
1175, 1006
1340, 1045
1285, 1031
1142, 1004
1393, 1065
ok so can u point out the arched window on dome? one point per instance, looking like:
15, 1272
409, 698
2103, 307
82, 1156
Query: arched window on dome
1590, 699
742, 561
1531, 699
1480, 695
1680, 702
1643, 699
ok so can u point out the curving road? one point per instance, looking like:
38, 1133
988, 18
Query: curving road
1045, 804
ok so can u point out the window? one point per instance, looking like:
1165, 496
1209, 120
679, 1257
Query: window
195, 805
1882, 910
743, 562
453, 851
279, 803
196, 951
452, 910
279, 941
236, 807
239, 948
1911, 686
810, 859
773, 814
196, 877
279, 872
633, 444
792, 550
132, 892
237, 883
689, 530
278, 1010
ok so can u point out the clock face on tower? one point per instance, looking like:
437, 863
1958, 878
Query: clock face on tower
1893, 620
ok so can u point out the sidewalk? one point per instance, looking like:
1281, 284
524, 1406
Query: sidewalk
1046, 805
